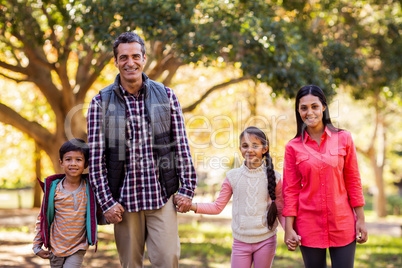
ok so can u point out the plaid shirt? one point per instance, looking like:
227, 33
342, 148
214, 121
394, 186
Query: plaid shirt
141, 189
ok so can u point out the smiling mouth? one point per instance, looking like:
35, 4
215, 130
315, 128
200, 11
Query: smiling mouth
131, 69
311, 118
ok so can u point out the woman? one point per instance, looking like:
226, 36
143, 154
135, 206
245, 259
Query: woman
322, 187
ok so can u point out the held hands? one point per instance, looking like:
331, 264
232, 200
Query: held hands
183, 203
292, 240
115, 214
44, 254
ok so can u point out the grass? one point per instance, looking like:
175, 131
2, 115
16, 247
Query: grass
204, 244
209, 245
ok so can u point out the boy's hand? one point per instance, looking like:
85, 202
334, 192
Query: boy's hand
44, 254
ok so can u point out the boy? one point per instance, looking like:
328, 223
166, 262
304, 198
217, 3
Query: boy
66, 224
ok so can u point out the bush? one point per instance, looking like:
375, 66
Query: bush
394, 205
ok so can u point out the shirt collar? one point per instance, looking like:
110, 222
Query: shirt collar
326, 131
126, 93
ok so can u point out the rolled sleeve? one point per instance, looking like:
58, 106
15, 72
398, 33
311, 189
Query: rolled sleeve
97, 165
291, 184
352, 175
37, 242
279, 201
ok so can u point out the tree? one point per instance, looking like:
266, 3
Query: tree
368, 32
41, 43
61, 46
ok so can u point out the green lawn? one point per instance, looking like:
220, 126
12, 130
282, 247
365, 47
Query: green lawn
209, 245
212, 246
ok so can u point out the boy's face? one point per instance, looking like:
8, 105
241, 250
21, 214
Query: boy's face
73, 163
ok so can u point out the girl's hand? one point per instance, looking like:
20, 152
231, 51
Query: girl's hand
292, 239
43, 254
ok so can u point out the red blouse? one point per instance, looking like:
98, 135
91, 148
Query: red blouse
321, 185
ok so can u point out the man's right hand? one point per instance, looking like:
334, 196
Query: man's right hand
115, 214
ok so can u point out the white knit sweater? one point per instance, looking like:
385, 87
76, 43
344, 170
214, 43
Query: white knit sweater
250, 204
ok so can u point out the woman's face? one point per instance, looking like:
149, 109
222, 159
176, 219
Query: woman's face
311, 112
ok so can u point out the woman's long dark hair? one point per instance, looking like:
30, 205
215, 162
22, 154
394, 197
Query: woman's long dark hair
273, 210
326, 119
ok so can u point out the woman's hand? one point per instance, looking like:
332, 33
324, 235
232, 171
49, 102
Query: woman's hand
361, 230
292, 239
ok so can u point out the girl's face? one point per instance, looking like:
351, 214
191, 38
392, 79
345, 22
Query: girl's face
311, 111
252, 150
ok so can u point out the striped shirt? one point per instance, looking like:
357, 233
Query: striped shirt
141, 189
68, 230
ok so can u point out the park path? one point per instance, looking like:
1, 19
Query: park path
16, 245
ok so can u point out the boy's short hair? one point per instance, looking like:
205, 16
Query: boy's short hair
75, 145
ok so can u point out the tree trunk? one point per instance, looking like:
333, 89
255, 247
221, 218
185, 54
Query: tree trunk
251, 96
378, 161
37, 195
376, 154
380, 201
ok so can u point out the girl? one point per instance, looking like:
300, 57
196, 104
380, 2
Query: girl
257, 203
322, 187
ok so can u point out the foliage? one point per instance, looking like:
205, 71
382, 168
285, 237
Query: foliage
41, 43
395, 204
62, 46
271, 45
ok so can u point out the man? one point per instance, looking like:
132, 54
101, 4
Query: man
139, 157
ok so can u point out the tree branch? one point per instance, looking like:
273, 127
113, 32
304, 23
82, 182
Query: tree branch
85, 84
11, 47
40, 134
363, 152
84, 65
191, 107
51, 23
14, 79
13, 68
172, 71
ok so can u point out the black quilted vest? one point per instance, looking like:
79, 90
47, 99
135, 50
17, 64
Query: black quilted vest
157, 106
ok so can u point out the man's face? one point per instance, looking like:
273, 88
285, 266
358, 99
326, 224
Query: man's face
130, 62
